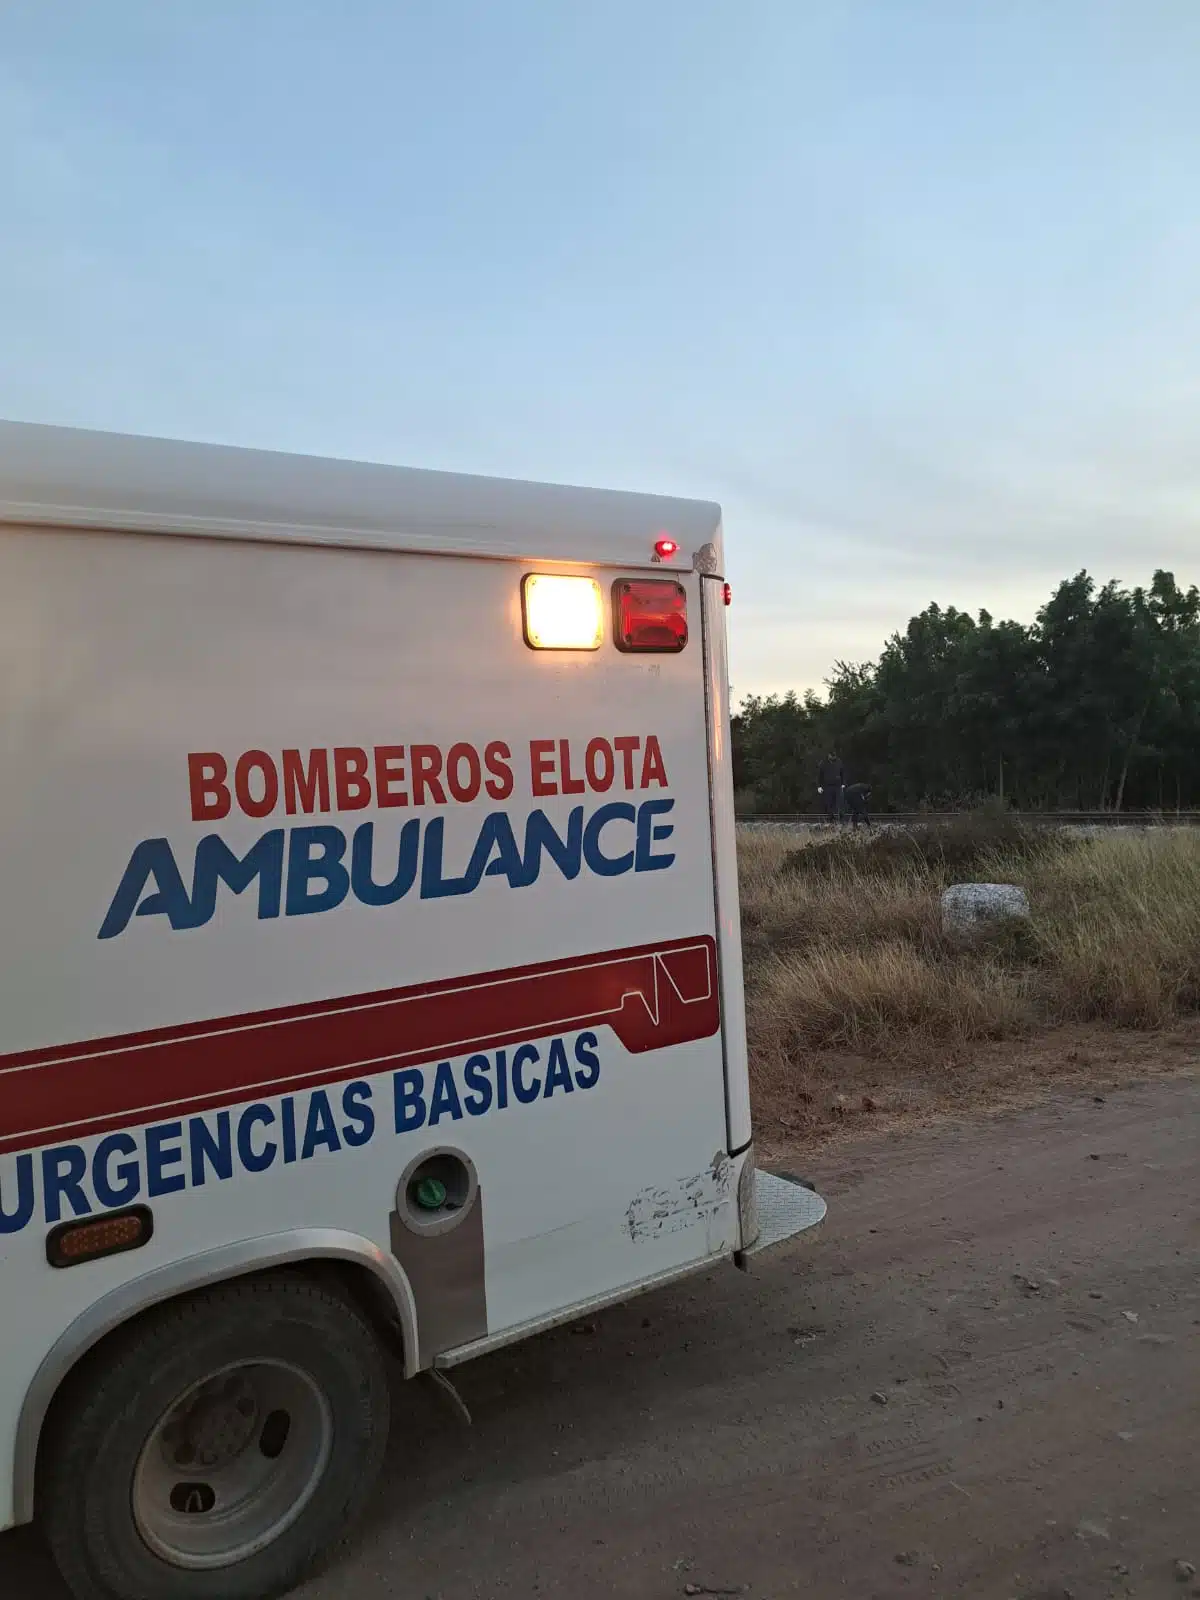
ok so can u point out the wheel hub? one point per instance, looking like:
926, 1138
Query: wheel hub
213, 1427
232, 1464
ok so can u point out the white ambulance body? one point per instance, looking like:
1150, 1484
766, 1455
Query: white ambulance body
370, 969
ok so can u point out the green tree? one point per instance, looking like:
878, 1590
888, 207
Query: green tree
1095, 705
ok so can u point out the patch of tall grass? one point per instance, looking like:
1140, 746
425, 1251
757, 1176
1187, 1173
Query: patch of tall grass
844, 947
1117, 929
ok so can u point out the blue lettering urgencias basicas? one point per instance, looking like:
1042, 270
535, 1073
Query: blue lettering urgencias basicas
301, 871
133, 1165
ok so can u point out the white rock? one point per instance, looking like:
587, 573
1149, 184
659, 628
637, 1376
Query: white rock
970, 909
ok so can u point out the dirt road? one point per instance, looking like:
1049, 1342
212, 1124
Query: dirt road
1024, 1294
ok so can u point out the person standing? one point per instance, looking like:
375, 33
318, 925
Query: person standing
831, 777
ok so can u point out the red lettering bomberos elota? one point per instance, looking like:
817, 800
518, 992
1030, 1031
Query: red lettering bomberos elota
259, 783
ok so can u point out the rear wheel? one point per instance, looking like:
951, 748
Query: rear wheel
213, 1450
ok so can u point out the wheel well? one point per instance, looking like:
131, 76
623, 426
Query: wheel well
351, 1280
360, 1285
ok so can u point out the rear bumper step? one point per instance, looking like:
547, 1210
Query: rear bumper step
785, 1208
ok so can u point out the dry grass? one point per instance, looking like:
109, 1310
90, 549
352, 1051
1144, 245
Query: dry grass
844, 949
867, 1000
1117, 929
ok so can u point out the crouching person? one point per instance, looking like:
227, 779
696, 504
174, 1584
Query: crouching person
857, 798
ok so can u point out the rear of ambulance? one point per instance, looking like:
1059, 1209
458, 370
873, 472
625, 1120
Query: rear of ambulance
367, 887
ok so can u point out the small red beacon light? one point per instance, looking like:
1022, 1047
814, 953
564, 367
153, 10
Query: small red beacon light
728, 593
664, 549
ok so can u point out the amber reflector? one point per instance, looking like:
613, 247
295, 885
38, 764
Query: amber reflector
73, 1242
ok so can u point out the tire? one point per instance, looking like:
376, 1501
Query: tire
190, 1382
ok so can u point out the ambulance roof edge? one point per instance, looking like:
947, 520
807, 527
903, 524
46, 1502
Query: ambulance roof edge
79, 478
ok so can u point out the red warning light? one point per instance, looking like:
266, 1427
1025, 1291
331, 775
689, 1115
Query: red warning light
728, 593
664, 549
650, 615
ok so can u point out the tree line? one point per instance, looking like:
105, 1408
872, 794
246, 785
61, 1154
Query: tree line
1095, 706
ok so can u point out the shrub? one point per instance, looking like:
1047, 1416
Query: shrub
957, 850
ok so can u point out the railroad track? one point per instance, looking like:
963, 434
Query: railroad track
1048, 819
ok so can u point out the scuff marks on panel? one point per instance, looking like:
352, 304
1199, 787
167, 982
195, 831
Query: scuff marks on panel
683, 1203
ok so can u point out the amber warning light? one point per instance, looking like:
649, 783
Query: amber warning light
562, 613
74, 1242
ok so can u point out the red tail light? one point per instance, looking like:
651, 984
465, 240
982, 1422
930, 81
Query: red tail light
649, 615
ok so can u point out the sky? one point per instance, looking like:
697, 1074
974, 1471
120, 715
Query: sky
912, 287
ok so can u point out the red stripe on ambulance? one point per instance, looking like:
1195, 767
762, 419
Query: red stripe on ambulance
651, 996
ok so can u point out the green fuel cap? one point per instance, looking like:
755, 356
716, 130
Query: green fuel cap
430, 1194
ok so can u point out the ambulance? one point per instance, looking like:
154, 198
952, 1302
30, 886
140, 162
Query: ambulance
370, 970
